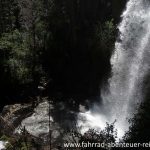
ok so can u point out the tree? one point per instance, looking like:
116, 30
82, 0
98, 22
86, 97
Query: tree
18, 56
139, 125
103, 137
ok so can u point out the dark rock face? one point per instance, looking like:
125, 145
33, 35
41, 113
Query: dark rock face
77, 66
117, 7
101, 9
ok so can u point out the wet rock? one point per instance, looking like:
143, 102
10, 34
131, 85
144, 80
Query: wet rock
40, 124
12, 115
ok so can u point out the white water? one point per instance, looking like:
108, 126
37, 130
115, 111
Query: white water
2, 145
130, 64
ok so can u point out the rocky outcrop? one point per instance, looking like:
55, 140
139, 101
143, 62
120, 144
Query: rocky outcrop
12, 115
46, 123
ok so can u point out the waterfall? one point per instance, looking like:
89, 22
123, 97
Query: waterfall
130, 64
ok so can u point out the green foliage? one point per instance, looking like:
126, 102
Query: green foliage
105, 34
7, 139
57, 37
17, 142
108, 135
9, 146
4, 138
8, 16
17, 54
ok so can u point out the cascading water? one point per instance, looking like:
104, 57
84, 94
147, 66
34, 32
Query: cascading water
130, 64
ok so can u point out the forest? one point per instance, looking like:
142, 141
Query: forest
60, 50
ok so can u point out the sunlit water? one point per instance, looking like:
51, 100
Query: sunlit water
130, 64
